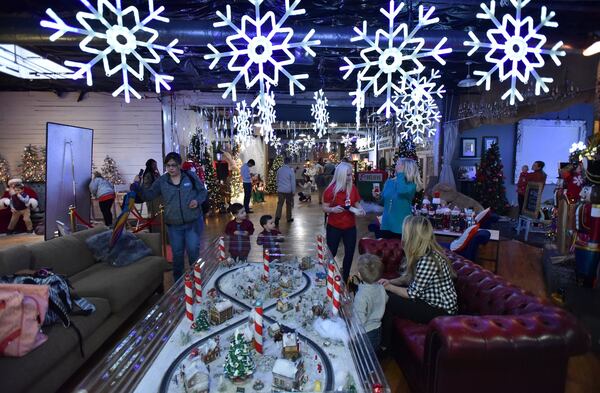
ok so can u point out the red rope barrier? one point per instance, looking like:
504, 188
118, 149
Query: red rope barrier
84, 222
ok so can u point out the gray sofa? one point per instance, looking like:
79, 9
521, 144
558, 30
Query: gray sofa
115, 291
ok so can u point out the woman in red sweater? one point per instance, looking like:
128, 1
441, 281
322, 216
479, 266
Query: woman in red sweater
341, 202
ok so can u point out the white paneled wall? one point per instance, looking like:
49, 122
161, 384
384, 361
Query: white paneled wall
130, 133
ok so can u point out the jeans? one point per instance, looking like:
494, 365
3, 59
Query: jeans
334, 236
106, 209
374, 337
184, 237
247, 196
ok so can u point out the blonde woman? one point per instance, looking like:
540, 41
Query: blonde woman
341, 202
397, 196
426, 289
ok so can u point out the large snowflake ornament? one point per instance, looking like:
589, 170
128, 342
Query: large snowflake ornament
385, 59
418, 89
267, 116
347, 140
309, 141
134, 42
320, 113
515, 49
261, 42
242, 124
420, 121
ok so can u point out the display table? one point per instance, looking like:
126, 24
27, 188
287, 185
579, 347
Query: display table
162, 351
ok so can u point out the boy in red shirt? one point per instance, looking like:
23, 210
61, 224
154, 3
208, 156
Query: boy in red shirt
270, 237
521, 186
239, 231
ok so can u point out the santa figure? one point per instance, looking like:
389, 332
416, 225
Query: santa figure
21, 200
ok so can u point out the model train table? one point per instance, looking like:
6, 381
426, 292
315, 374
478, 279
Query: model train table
216, 345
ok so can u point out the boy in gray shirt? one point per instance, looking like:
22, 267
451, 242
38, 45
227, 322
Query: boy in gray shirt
370, 299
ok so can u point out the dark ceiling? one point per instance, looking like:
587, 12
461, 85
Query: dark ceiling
191, 22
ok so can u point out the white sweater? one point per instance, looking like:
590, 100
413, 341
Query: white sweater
369, 305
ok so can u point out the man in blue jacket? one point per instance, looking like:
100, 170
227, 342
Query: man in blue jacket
183, 194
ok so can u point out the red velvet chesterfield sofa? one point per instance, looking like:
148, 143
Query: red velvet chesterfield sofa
504, 339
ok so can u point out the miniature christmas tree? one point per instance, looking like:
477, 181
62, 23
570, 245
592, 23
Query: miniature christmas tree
238, 363
4, 170
110, 171
216, 198
489, 182
272, 177
408, 149
32, 167
201, 322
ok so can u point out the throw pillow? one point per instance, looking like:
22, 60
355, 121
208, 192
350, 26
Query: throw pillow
483, 215
463, 241
126, 251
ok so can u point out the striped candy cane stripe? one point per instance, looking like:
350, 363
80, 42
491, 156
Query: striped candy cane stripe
198, 282
258, 327
189, 298
222, 249
336, 295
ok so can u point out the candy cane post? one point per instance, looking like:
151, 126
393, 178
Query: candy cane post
266, 263
320, 256
330, 275
336, 295
222, 249
258, 326
189, 298
198, 282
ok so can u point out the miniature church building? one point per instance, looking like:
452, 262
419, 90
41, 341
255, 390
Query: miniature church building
291, 346
287, 375
221, 311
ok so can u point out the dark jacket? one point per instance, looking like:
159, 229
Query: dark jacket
177, 197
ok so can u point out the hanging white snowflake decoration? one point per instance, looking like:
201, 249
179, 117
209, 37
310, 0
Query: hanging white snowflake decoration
267, 116
293, 148
328, 145
347, 140
515, 49
384, 61
261, 42
418, 89
420, 121
309, 142
116, 38
242, 124
320, 113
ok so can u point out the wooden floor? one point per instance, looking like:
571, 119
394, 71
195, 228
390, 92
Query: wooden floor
518, 262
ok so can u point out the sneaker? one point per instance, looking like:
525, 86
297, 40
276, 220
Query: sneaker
10, 232
290, 220
277, 222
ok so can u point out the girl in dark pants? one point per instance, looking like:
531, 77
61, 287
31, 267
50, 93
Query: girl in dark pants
103, 190
342, 203
426, 290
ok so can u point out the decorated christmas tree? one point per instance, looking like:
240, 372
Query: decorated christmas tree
489, 182
201, 322
198, 146
33, 164
238, 363
271, 187
110, 171
4, 170
408, 149
216, 198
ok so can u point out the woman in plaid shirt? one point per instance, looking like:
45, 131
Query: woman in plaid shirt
426, 289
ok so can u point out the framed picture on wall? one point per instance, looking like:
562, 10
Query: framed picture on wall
468, 147
487, 142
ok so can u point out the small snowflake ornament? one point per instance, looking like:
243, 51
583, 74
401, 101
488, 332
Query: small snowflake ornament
242, 124
261, 42
515, 49
136, 43
309, 142
347, 140
293, 148
320, 113
267, 116
420, 121
393, 54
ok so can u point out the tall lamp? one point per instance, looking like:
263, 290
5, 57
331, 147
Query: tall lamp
355, 157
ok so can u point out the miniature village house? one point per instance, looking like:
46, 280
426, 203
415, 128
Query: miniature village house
274, 331
221, 311
291, 346
283, 305
288, 375
197, 383
320, 279
210, 351
306, 263
275, 291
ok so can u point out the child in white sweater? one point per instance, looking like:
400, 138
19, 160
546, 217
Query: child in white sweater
370, 299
